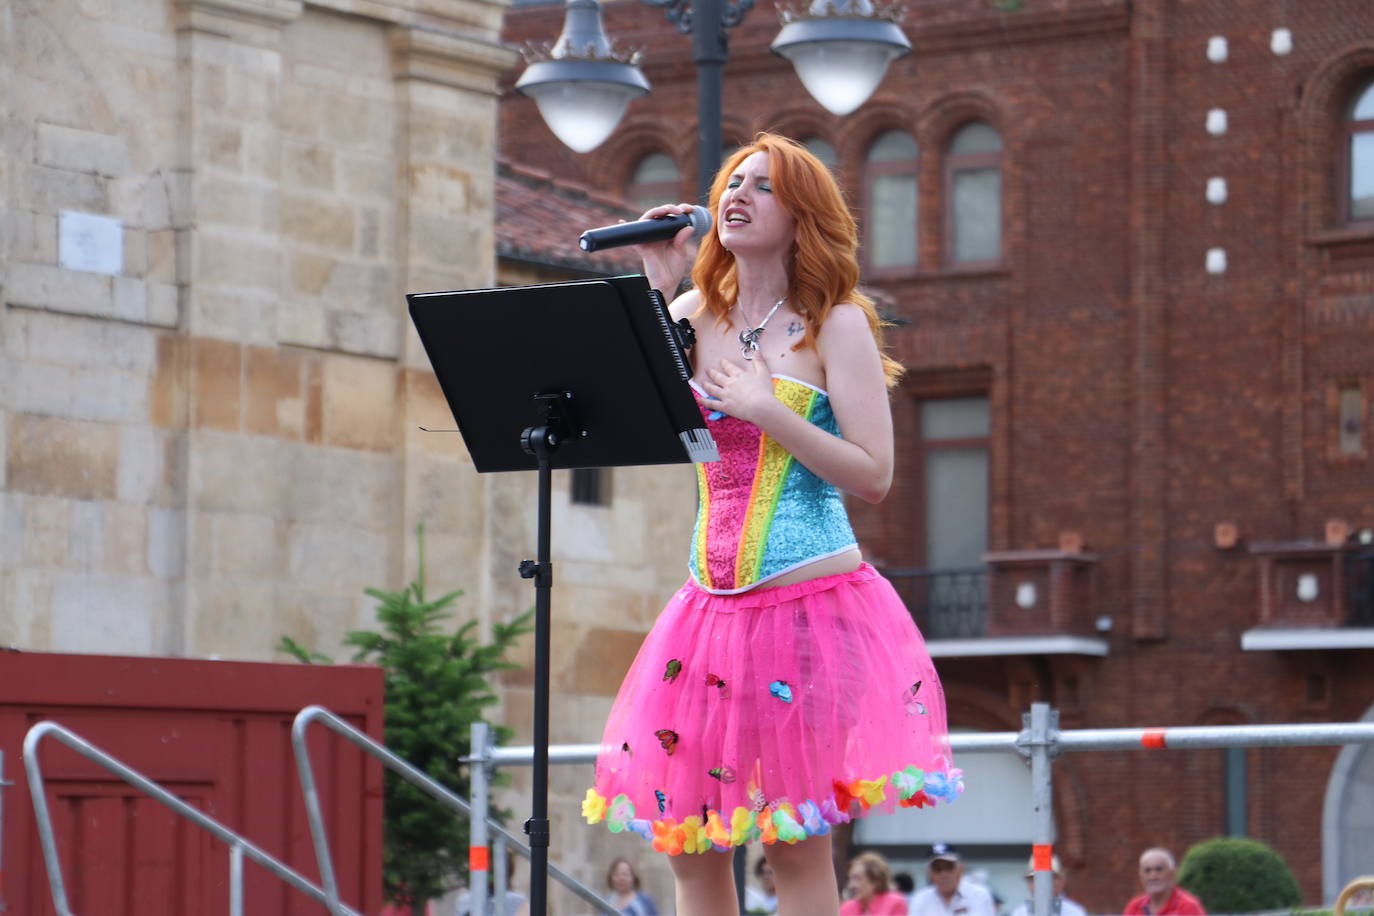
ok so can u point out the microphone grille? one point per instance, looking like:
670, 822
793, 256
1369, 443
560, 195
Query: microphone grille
701, 220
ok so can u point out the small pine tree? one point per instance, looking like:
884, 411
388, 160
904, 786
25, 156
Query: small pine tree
1238, 875
436, 688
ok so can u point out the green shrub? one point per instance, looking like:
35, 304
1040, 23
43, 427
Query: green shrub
438, 681
1238, 875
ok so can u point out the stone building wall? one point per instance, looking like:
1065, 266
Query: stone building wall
209, 388
209, 442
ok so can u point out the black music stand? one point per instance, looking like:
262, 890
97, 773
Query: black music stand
583, 374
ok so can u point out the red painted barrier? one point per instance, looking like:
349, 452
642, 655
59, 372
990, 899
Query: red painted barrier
217, 733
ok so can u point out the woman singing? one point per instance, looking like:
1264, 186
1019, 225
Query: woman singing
784, 688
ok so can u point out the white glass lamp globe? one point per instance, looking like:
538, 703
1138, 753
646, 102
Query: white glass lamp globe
582, 114
841, 75
582, 84
841, 59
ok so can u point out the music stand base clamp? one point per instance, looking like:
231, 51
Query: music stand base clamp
541, 573
537, 829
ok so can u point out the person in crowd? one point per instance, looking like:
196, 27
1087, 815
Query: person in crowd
1059, 904
905, 885
785, 688
950, 893
762, 899
1163, 896
870, 888
626, 894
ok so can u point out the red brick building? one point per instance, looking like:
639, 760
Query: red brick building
1134, 472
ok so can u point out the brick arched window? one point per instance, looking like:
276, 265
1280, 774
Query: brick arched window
823, 150
655, 180
973, 195
890, 216
1358, 159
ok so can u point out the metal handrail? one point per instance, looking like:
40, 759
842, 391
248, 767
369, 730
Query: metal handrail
239, 846
415, 777
1362, 883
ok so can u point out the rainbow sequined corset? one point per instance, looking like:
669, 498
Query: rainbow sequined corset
761, 512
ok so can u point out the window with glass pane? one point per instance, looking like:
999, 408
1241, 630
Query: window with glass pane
656, 180
590, 486
1360, 126
954, 446
973, 187
1350, 420
890, 215
822, 150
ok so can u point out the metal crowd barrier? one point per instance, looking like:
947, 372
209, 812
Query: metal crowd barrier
1040, 741
239, 846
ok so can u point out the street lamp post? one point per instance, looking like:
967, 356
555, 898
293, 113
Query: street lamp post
708, 22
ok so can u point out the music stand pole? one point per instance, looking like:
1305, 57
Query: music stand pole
541, 441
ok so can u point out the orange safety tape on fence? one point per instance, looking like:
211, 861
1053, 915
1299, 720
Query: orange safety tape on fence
1153, 738
479, 858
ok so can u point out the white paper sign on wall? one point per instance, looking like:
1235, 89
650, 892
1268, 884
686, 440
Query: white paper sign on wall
86, 241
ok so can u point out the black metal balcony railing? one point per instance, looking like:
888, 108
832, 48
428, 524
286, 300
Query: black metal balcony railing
945, 603
1360, 594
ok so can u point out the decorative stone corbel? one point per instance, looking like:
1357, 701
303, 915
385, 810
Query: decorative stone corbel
450, 59
256, 22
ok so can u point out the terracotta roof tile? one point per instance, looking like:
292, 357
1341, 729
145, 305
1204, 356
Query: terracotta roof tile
539, 217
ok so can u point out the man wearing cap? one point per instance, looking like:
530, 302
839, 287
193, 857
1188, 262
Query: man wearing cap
1163, 896
949, 894
1059, 904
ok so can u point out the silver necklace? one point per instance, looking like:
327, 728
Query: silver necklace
749, 337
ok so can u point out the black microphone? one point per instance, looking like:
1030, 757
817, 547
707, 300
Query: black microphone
646, 230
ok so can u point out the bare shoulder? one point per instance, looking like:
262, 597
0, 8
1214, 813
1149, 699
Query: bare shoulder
846, 326
686, 305
843, 319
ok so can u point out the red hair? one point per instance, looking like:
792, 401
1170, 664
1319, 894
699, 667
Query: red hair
823, 267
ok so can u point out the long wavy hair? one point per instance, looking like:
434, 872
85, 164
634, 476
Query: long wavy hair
823, 265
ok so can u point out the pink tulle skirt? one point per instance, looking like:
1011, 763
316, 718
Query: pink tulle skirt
771, 715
